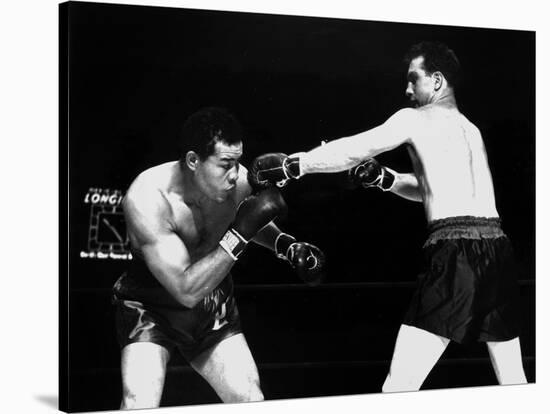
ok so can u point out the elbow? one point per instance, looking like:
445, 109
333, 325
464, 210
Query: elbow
189, 301
416, 196
186, 293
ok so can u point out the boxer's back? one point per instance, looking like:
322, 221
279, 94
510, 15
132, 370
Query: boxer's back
451, 165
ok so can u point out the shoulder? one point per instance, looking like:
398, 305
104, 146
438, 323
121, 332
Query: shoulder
406, 118
473, 132
151, 180
147, 213
406, 122
471, 126
145, 197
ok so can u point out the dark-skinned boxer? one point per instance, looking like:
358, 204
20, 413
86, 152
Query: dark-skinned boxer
189, 221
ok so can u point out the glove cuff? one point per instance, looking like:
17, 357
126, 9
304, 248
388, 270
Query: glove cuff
233, 243
283, 242
387, 180
292, 167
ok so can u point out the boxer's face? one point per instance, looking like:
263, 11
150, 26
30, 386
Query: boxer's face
420, 85
217, 175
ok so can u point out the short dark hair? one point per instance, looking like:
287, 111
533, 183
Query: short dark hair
205, 128
437, 57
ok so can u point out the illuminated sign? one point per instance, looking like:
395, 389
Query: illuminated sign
107, 236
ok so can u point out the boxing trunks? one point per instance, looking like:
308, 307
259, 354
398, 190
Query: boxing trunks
146, 312
468, 290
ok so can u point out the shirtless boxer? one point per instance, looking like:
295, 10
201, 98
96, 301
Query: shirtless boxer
468, 291
188, 222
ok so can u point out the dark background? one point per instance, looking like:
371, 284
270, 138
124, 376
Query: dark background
135, 74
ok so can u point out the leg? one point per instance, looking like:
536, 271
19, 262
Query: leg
143, 366
506, 360
416, 352
230, 369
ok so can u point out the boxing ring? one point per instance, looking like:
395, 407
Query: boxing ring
136, 73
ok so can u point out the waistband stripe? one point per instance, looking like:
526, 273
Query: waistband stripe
464, 227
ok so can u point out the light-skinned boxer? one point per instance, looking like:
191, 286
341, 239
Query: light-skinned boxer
468, 289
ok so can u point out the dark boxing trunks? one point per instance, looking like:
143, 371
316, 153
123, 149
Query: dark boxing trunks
146, 312
468, 290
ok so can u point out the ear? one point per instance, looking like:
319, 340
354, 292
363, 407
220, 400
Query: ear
191, 160
438, 80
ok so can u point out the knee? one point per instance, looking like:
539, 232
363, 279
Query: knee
393, 384
133, 402
246, 392
136, 400
251, 392
255, 394
512, 376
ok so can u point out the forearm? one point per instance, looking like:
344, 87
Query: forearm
253, 220
203, 276
306, 259
344, 153
266, 237
335, 156
406, 186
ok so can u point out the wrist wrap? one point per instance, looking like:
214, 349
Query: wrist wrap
283, 242
233, 243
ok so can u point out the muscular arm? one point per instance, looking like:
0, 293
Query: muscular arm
167, 256
344, 153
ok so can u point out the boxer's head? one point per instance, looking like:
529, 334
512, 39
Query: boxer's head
211, 146
432, 68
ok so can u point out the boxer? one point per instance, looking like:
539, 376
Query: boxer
189, 221
468, 290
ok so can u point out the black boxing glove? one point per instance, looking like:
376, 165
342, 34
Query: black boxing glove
273, 169
306, 259
254, 213
371, 174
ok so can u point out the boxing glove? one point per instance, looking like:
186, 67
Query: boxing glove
253, 214
371, 174
273, 169
306, 259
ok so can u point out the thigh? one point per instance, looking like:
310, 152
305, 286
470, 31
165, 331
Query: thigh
507, 362
143, 368
230, 369
504, 350
416, 352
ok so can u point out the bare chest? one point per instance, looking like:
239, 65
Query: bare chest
202, 228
